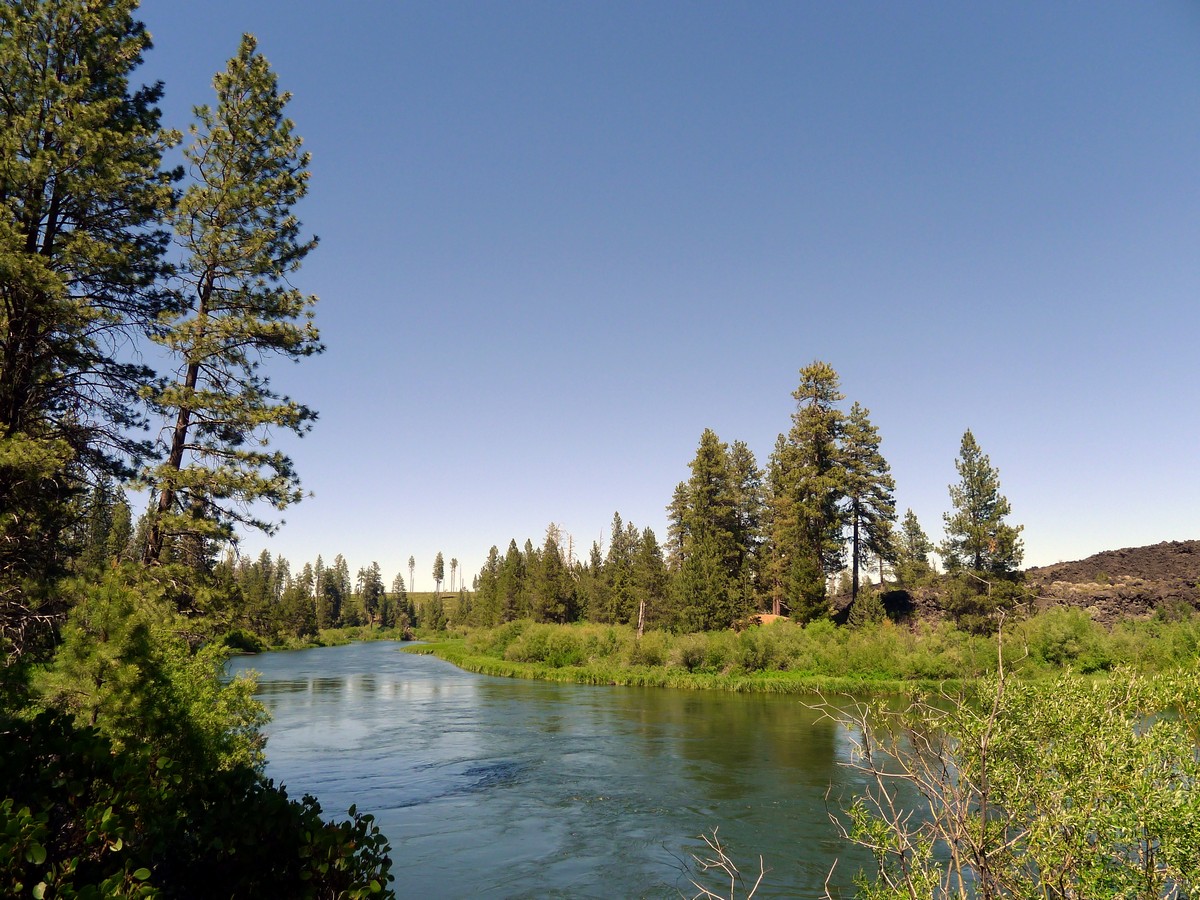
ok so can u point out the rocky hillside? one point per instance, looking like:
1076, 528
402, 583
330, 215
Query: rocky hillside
1133, 582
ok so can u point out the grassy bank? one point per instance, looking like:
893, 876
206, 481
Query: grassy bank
820, 657
455, 651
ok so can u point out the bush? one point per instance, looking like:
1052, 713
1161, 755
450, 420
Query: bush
651, 650
83, 818
1079, 788
690, 653
722, 650
495, 641
239, 641
1062, 637
757, 649
867, 609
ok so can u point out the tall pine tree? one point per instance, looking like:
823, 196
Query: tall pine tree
870, 493
242, 243
82, 194
912, 551
711, 590
808, 484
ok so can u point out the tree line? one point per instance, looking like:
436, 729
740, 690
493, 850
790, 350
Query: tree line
743, 539
264, 596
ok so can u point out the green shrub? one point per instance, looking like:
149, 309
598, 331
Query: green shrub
80, 817
495, 641
867, 609
722, 650
240, 641
603, 643
1066, 636
690, 653
1076, 788
651, 650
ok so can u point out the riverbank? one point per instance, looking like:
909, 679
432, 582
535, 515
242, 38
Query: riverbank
775, 682
820, 657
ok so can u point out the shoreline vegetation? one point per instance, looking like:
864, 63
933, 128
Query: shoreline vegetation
817, 658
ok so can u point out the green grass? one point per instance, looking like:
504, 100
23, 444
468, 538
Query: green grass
455, 651
818, 658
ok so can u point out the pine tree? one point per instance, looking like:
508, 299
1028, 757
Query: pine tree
711, 591
870, 493
746, 484
676, 526
913, 549
439, 572
399, 603
977, 537
592, 589
511, 583
435, 614
242, 244
82, 192
370, 591
412, 568
808, 476
98, 526
486, 610
620, 603
551, 589
121, 532
650, 581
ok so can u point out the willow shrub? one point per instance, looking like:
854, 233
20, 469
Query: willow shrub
1071, 787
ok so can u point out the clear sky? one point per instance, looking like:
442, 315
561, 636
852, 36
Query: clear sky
558, 240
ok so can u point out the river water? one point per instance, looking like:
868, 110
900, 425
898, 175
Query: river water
492, 787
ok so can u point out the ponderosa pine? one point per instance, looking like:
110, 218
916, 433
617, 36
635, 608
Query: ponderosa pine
82, 195
242, 243
870, 493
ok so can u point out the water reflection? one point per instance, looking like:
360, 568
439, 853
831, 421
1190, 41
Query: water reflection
498, 788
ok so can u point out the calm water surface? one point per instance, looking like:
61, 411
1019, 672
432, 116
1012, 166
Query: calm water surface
491, 787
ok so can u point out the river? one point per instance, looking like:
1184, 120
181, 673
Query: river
492, 787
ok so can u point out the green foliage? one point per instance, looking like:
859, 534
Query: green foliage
807, 485
880, 653
555, 647
977, 537
1075, 788
86, 819
433, 614
718, 512
976, 603
651, 649
124, 667
690, 652
1065, 637
439, 571
552, 594
242, 243
866, 609
759, 650
81, 256
869, 492
912, 551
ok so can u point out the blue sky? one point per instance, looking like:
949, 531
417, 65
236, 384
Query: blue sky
558, 240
